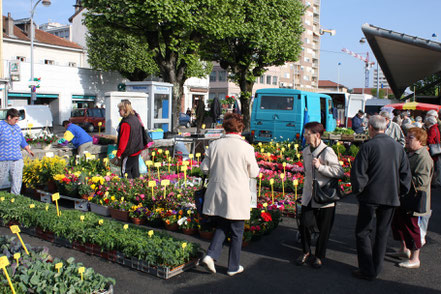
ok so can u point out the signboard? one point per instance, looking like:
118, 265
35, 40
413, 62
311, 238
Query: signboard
14, 70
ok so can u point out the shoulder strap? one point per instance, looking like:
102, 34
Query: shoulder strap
318, 156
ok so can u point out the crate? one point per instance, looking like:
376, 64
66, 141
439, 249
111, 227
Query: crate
334, 137
99, 209
346, 137
156, 135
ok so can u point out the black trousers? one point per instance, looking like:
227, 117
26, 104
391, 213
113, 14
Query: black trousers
130, 167
371, 249
324, 218
225, 227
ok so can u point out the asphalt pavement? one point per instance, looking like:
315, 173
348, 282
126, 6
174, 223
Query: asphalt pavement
270, 264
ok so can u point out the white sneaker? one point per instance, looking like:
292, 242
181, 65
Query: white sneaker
209, 263
236, 272
408, 264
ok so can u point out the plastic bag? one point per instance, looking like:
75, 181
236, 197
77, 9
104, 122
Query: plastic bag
142, 166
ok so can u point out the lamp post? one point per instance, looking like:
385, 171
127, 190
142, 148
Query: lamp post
338, 76
45, 3
362, 41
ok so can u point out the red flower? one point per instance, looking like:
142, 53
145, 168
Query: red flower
266, 216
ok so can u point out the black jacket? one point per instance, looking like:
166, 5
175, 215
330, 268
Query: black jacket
381, 172
135, 142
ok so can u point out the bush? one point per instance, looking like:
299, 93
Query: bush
353, 150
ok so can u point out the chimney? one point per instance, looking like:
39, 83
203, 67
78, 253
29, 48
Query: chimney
9, 26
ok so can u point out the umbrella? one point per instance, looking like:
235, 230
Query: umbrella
414, 106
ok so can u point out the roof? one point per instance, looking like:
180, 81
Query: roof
328, 83
404, 59
369, 90
40, 36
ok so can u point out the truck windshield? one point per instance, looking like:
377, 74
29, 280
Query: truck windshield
277, 102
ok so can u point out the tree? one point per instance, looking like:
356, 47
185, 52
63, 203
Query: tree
267, 33
170, 30
112, 50
432, 91
381, 93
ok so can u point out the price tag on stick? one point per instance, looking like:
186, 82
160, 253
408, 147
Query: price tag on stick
58, 266
81, 271
55, 198
17, 257
4, 262
16, 230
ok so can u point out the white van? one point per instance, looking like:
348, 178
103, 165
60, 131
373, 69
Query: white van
33, 118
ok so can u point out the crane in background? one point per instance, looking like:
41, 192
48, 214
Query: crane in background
367, 64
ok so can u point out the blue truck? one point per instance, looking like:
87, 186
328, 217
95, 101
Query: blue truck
280, 114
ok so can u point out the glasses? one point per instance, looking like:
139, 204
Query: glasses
409, 138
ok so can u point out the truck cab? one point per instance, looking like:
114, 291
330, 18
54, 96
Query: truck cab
280, 114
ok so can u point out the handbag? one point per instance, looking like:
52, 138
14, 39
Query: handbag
199, 197
435, 149
415, 200
328, 193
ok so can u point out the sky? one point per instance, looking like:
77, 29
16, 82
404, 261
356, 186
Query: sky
417, 18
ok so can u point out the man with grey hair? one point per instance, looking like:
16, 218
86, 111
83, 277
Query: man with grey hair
379, 176
393, 129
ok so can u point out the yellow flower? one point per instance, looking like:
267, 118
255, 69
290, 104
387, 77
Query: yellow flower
184, 245
189, 212
2, 199
77, 174
12, 200
59, 177
126, 227
93, 186
32, 206
113, 198
100, 222
150, 233
82, 217
265, 204
47, 207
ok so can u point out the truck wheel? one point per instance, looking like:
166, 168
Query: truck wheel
90, 128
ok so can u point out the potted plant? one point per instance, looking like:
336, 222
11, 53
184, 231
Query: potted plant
120, 210
206, 229
137, 214
170, 220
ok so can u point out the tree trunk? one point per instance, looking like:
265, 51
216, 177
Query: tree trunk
246, 89
178, 89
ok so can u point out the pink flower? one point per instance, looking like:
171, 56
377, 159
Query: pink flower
142, 196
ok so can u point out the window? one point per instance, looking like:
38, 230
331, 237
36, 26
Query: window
21, 58
211, 96
94, 112
274, 80
48, 61
286, 75
222, 76
268, 80
222, 95
78, 113
277, 102
213, 76
72, 64
262, 79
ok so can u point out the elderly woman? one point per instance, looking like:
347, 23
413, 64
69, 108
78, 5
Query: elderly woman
405, 223
323, 160
393, 129
130, 140
231, 163
433, 137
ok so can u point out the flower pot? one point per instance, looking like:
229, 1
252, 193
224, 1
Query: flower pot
45, 235
99, 209
119, 214
78, 246
172, 227
190, 231
206, 235
137, 220
51, 186
111, 255
245, 243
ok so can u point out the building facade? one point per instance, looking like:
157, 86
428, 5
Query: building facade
64, 83
302, 75
57, 29
382, 81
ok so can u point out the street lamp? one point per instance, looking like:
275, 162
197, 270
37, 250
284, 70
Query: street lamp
338, 77
45, 3
362, 41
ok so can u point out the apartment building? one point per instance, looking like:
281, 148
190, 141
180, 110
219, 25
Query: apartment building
302, 75
382, 81
57, 29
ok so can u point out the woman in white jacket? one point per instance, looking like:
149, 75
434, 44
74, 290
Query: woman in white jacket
231, 163
323, 159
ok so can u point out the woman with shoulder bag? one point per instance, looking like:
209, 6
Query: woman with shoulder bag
231, 163
320, 161
405, 226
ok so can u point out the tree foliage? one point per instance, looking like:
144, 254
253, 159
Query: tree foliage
268, 33
433, 91
170, 30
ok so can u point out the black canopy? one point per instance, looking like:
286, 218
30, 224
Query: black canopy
403, 59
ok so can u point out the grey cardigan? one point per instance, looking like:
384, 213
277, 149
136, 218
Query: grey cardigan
329, 168
421, 166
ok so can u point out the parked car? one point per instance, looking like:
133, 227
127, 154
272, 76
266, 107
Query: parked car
88, 118
184, 120
34, 119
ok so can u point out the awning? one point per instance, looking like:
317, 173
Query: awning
28, 95
83, 97
414, 106
200, 90
403, 59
